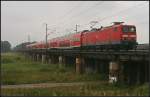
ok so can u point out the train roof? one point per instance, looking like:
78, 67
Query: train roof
115, 24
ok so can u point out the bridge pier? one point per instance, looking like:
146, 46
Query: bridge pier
52, 59
40, 58
113, 71
49, 60
43, 58
80, 62
33, 57
62, 61
37, 57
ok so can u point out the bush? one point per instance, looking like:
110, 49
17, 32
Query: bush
7, 60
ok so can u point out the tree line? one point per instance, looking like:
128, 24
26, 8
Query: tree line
6, 46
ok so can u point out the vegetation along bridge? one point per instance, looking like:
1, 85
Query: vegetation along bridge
130, 66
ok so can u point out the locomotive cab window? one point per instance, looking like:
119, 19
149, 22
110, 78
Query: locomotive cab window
129, 29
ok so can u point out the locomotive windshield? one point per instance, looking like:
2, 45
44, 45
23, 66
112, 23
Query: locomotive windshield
129, 29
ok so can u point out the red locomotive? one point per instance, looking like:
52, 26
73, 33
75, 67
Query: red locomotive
117, 36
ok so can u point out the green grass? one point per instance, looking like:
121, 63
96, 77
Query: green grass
16, 69
95, 89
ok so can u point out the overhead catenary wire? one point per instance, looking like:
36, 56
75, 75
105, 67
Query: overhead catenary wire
110, 16
87, 10
82, 12
78, 13
120, 12
66, 14
115, 13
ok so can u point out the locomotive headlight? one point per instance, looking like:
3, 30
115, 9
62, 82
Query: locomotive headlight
132, 29
132, 35
124, 35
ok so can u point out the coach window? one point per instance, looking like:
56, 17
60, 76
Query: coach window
115, 29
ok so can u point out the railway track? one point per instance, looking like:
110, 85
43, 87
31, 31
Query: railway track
143, 48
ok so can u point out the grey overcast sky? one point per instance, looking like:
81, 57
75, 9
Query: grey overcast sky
22, 18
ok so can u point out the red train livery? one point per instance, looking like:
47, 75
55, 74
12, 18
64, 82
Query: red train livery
117, 36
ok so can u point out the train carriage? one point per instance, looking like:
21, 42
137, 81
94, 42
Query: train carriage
75, 40
117, 36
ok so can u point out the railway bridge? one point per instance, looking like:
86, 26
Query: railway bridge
130, 66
